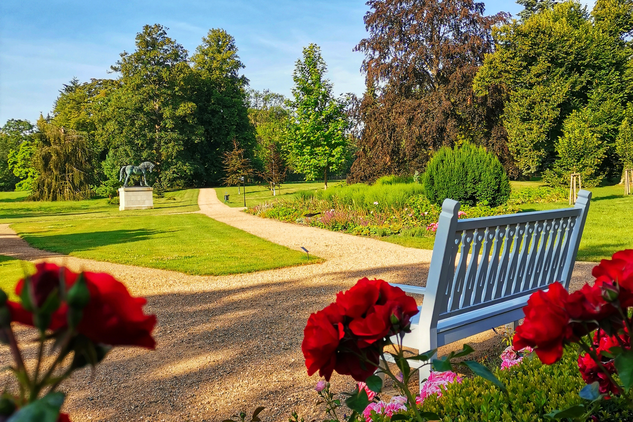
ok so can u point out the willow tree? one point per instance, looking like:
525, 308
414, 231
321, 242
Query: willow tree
63, 161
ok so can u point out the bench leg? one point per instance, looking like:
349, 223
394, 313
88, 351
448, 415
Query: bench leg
424, 372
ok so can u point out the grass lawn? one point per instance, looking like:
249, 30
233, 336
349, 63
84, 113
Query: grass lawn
167, 237
257, 194
11, 270
609, 226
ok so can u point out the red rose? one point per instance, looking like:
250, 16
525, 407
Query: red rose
379, 321
63, 417
619, 269
112, 316
588, 303
44, 281
356, 301
546, 326
358, 363
321, 338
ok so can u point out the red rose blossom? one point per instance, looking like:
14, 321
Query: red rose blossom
112, 316
619, 269
546, 326
348, 335
321, 338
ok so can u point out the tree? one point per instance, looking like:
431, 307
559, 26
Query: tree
420, 60
317, 141
553, 64
530, 7
270, 117
222, 103
237, 168
151, 115
64, 165
624, 141
580, 150
12, 135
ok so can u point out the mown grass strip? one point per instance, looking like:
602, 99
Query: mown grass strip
166, 237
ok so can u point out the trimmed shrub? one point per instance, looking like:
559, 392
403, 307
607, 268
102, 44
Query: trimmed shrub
468, 174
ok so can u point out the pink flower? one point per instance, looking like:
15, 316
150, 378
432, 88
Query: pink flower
510, 357
370, 394
320, 386
397, 404
375, 202
435, 383
461, 214
432, 227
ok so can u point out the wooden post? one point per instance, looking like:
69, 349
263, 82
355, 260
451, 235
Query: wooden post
628, 176
575, 184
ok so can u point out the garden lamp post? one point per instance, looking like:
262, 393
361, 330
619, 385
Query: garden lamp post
244, 189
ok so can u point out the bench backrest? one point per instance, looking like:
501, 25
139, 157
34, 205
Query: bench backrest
482, 261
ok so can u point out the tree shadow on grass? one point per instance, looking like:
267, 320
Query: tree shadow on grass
76, 242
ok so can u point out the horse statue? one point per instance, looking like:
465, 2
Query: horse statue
129, 170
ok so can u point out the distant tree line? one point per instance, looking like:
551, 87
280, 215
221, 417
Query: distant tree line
550, 93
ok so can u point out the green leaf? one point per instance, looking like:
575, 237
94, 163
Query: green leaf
45, 409
400, 417
466, 350
429, 415
374, 383
571, 412
358, 401
442, 364
624, 364
484, 372
590, 392
424, 356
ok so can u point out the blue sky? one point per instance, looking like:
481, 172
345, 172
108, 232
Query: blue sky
44, 44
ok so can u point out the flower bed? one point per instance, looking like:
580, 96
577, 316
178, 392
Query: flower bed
418, 217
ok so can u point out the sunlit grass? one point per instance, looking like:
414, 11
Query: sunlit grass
258, 194
168, 237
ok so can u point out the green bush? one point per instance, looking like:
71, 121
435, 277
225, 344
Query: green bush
468, 174
359, 196
533, 195
534, 390
393, 180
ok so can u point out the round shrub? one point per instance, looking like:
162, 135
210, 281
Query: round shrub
468, 174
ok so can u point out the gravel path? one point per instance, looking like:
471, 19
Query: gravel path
230, 343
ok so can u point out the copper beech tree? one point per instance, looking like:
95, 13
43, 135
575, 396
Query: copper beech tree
420, 61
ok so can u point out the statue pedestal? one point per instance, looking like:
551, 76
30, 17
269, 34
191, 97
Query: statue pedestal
136, 198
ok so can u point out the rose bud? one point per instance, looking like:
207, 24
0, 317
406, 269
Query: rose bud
320, 386
610, 291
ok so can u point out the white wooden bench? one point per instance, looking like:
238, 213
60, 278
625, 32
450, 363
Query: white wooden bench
483, 270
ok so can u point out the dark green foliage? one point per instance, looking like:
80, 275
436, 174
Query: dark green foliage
468, 174
12, 135
63, 160
565, 75
221, 105
151, 116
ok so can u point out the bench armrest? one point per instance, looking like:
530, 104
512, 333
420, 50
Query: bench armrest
416, 290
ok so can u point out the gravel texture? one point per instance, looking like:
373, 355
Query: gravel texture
231, 343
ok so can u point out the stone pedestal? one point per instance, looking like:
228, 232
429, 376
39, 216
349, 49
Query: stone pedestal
136, 198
